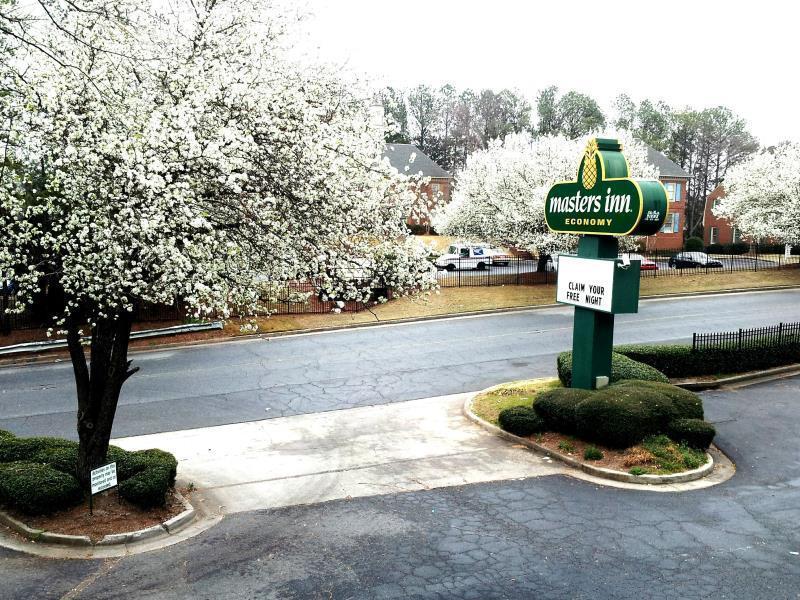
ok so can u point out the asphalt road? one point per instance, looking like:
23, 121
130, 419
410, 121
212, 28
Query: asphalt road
266, 378
545, 537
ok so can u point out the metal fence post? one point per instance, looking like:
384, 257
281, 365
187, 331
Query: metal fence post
694, 342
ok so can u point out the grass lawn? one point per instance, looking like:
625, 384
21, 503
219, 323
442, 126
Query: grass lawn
722, 281
467, 299
489, 404
460, 300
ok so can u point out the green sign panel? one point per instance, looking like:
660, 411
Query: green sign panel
605, 200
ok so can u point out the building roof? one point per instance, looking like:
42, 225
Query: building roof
399, 156
666, 168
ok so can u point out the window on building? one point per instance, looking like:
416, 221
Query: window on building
714, 237
737, 235
673, 190
436, 188
667, 226
676, 223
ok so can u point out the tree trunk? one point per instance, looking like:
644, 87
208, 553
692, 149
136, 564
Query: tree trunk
98, 385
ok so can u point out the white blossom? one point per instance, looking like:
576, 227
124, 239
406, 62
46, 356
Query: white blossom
763, 194
192, 158
499, 196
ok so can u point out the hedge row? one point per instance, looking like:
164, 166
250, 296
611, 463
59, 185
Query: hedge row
622, 416
145, 476
34, 488
737, 248
622, 367
619, 416
557, 407
680, 361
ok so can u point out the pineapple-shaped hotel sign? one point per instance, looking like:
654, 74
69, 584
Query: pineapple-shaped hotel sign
604, 200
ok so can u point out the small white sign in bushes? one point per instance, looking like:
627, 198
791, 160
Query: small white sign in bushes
104, 478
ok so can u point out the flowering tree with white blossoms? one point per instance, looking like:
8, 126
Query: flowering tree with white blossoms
499, 196
762, 194
184, 156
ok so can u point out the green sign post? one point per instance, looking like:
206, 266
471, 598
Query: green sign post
601, 205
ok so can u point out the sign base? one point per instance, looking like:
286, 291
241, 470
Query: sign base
593, 331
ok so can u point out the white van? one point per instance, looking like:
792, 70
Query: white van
464, 256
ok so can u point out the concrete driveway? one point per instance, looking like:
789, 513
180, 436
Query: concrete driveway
540, 537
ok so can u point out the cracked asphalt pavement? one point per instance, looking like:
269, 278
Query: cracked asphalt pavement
544, 537
258, 379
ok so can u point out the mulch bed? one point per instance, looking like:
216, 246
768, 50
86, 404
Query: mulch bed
619, 460
109, 516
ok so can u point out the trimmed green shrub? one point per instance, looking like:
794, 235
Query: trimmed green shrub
557, 407
32, 449
63, 459
678, 360
62, 456
695, 433
777, 249
133, 463
6, 435
622, 367
737, 248
34, 488
621, 416
693, 244
520, 420
592, 453
688, 405
147, 488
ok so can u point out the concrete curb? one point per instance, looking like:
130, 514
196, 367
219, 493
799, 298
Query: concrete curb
165, 529
47, 346
750, 378
610, 474
318, 330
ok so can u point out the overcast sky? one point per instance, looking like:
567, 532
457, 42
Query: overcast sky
700, 53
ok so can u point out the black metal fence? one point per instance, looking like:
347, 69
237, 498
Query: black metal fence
517, 271
660, 263
774, 335
665, 263
306, 298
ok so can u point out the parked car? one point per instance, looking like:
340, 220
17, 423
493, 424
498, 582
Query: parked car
690, 260
464, 256
646, 263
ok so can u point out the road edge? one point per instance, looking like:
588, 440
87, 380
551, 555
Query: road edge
387, 323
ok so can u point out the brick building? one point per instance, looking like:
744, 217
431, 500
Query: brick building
717, 230
676, 180
440, 181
